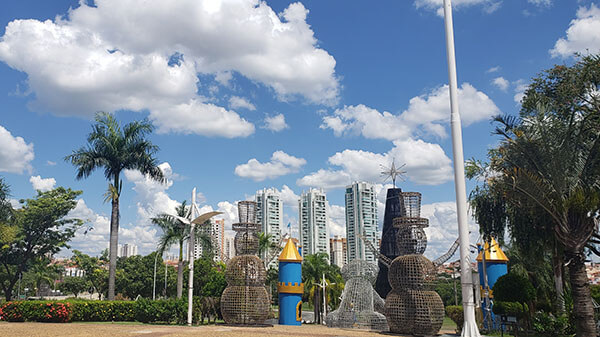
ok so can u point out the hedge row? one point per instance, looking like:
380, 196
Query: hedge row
142, 310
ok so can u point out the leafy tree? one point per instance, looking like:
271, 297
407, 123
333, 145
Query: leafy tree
548, 160
513, 288
74, 285
8, 232
95, 271
43, 230
136, 276
174, 232
209, 278
115, 149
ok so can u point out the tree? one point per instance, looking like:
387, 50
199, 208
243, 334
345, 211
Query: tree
549, 159
174, 232
95, 271
116, 149
136, 276
43, 230
74, 285
314, 267
8, 232
267, 249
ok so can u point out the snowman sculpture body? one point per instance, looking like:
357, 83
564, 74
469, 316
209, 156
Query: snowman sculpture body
245, 300
412, 307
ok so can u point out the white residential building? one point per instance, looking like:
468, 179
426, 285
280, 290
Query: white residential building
269, 214
216, 233
229, 246
314, 220
338, 248
361, 219
127, 250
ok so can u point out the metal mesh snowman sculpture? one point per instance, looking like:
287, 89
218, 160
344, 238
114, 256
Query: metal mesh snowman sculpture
412, 307
245, 300
361, 307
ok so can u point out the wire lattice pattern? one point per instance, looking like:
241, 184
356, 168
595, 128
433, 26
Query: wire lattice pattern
358, 308
245, 300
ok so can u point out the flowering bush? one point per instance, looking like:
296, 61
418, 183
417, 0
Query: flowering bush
38, 311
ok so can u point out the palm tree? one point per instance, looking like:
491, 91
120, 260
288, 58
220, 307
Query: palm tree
174, 232
313, 268
116, 149
267, 249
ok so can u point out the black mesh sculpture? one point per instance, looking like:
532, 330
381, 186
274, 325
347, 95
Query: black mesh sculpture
245, 300
361, 307
394, 208
412, 307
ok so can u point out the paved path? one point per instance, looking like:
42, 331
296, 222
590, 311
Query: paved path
146, 330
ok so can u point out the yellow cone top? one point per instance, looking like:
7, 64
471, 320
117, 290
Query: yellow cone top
290, 253
492, 255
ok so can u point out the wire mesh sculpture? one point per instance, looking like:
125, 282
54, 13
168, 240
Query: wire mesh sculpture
361, 307
245, 299
412, 307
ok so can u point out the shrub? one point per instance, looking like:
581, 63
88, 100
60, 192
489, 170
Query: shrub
166, 311
510, 309
513, 288
548, 325
456, 314
103, 311
36, 311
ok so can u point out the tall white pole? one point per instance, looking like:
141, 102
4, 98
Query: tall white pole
466, 278
191, 258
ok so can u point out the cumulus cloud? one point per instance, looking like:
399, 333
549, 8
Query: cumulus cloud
281, 164
443, 227
337, 220
195, 117
236, 102
15, 154
501, 83
145, 55
431, 167
582, 34
489, 6
42, 184
520, 87
428, 114
275, 123
151, 195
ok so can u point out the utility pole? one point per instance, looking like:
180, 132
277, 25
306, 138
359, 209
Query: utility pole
192, 244
470, 325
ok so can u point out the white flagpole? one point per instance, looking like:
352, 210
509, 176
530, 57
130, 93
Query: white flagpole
466, 278
191, 249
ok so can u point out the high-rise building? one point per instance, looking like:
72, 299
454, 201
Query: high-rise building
269, 214
338, 251
127, 250
361, 219
215, 231
229, 247
314, 229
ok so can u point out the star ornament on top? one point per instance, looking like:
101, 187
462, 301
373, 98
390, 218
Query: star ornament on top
393, 172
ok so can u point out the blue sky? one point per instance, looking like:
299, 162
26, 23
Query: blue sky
247, 95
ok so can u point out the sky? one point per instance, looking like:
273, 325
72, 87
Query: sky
246, 95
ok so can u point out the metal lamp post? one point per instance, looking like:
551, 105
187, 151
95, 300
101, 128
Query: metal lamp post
470, 325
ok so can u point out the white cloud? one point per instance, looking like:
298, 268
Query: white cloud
427, 114
236, 102
430, 167
489, 6
195, 117
520, 87
582, 35
15, 154
493, 69
337, 220
50, 163
118, 55
42, 184
275, 123
501, 83
443, 228
546, 3
151, 195
281, 164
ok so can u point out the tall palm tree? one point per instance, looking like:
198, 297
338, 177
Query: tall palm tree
174, 232
116, 149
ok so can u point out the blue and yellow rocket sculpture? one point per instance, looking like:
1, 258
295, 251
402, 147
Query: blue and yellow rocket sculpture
290, 285
495, 266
